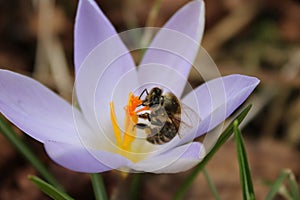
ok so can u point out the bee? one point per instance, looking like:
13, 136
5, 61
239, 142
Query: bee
164, 116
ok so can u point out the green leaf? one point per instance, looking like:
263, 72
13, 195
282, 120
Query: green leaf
293, 185
21, 146
284, 174
245, 175
211, 185
98, 186
222, 139
49, 190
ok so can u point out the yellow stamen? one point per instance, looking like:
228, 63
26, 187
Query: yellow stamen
131, 119
114, 122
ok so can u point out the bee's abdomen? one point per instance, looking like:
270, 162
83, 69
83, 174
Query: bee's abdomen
158, 139
167, 133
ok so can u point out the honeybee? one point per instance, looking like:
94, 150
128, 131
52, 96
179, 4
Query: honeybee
164, 116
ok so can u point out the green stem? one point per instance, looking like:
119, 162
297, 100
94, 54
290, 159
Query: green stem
211, 184
98, 186
135, 186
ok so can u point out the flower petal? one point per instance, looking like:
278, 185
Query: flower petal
175, 46
35, 109
103, 60
78, 158
175, 160
106, 75
218, 98
91, 28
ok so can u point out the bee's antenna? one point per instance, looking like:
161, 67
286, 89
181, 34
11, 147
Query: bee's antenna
145, 90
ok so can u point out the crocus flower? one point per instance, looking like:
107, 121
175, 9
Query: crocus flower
99, 133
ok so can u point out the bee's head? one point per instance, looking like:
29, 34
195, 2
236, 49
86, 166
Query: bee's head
154, 96
155, 92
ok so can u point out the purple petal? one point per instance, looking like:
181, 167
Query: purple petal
91, 28
175, 160
78, 158
35, 109
175, 46
218, 98
107, 61
106, 75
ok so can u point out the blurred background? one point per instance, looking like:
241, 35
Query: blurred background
253, 37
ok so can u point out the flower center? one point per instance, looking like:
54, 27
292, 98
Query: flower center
125, 139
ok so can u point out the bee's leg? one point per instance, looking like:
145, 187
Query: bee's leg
144, 127
141, 126
145, 116
154, 119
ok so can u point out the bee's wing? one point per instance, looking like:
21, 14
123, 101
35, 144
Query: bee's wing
189, 120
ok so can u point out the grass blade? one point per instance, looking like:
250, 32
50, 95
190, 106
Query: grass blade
98, 186
49, 190
222, 139
211, 185
245, 175
293, 185
276, 185
19, 144
284, 174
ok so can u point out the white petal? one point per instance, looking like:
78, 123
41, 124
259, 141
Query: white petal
175, 160
79, 158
